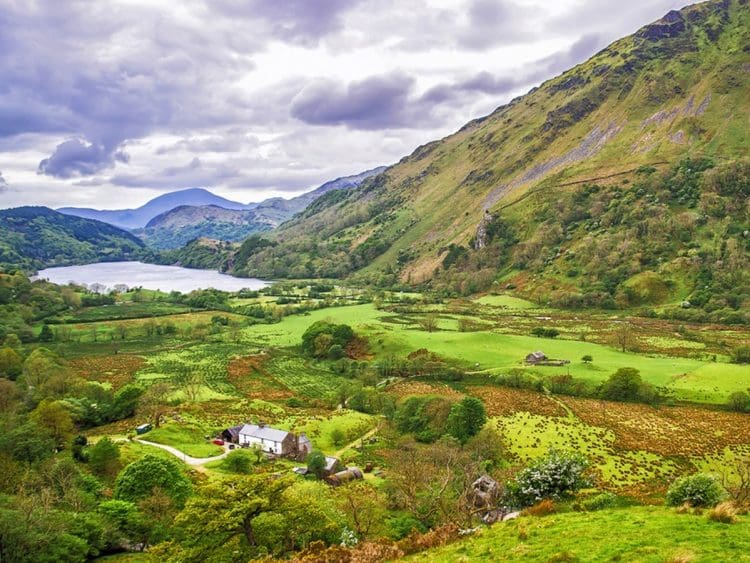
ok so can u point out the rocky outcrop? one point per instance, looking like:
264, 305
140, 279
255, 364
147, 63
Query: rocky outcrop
482, 237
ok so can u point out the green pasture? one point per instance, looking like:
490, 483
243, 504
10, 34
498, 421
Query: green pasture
645, 534
691, 379
188, 438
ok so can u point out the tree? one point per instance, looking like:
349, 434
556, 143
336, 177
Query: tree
338, 437
153, 402
623, 335
739, 401
316, 463
587, 359
363, 506
104, 457
623, 385
429, 322
11, 363
741, 354
555, 476
697, 490
466, 418
220, 518
55, 419
239, 461
125, 402
321, 335
46, 334
138, 480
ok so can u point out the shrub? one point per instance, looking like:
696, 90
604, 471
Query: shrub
239, 461
556, 476
600, 502
739, 401
542, 508
741, 355
543, 332
697, 490
401, 526
724, 512
587, 359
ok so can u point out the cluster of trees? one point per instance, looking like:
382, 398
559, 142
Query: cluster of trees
325, 339
429, 418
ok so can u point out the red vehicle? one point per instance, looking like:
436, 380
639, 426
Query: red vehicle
218, 442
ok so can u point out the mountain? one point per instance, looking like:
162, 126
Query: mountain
278, 210
619, 182
178, 226
36, 237
138, 218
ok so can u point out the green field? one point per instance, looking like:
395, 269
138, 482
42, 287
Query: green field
690, 379
638, 534
187, 438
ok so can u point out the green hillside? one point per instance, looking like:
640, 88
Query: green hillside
179, 226
37, 237
641, 534
620, 183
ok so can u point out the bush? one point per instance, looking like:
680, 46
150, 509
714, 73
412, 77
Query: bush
542, 332
600, 502
556, 476
724, 512
741, 355
542, 508
699, 490
739, 401
239, 461
401, 526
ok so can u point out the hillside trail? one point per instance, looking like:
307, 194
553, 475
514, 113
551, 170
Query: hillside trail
363, 437
196, 462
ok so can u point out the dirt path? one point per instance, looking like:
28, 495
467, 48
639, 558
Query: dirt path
364, 436
197, 462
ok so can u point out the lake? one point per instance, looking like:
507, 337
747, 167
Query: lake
148, 276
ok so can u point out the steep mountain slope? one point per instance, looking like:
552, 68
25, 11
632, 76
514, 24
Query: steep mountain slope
137, 218
278, 210
34, 237
508, 199
182, 224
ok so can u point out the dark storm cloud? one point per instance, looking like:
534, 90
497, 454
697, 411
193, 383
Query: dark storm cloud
60, 77
78, 157
378, 102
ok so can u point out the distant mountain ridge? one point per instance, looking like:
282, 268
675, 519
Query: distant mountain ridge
139, 217
171, 220
38, 237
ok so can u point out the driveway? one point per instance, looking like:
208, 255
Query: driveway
192, 461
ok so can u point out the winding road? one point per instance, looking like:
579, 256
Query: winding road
192, 461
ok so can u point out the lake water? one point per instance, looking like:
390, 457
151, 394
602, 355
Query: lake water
148, 276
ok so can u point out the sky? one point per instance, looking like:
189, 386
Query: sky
110, 103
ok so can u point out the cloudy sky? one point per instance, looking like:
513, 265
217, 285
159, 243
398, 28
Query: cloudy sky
110, 103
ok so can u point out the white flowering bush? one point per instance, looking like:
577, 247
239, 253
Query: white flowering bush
557, 476
348, 538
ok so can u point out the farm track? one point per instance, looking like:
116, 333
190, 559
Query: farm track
196, 462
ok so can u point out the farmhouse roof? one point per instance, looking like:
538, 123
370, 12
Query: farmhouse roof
539, 355
264, 432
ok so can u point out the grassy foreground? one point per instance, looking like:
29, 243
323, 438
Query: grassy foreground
642, 534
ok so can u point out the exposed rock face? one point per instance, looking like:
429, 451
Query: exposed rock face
671, 25
482, 238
